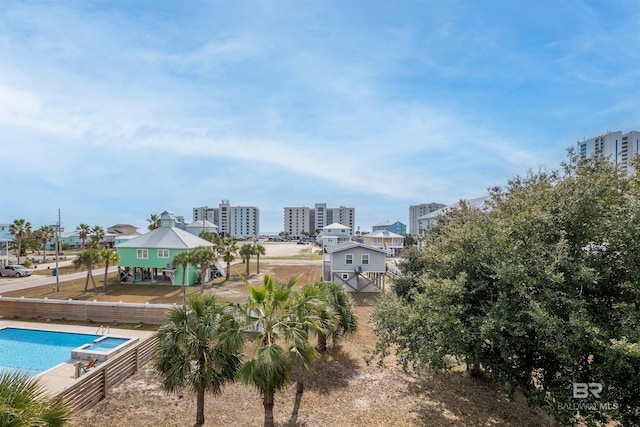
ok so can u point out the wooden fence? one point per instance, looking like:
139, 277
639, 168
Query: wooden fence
94, 385
95, 311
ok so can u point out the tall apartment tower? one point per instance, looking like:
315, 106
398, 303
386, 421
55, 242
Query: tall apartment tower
209, 214
298, 220
619, 148
244, 221
320, 216
232, 221
342, 215
416, 211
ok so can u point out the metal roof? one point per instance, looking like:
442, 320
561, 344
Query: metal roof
350, 245
166, 238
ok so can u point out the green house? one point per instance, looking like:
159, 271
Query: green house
148, 258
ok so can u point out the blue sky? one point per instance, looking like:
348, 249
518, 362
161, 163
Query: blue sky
114, 110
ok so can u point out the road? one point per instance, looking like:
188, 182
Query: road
16, 283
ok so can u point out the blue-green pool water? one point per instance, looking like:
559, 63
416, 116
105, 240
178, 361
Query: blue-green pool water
32, 351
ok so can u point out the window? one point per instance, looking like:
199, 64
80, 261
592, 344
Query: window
365, 259
345, 276
163, 253
143, 253
348, 259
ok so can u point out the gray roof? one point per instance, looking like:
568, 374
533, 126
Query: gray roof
477, 203
198, 224
166, 238
383, 233
350, 245
335, 225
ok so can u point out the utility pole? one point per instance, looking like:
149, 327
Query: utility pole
57, 252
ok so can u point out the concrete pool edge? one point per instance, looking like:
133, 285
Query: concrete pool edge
59, 377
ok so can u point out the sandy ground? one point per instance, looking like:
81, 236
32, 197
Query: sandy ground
281, 249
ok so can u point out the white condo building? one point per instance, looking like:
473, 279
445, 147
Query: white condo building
620, 148
232, 221
300, 221
416, 211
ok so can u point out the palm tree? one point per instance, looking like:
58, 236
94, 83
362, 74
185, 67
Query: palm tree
154, 222
203, 256
20, 229
24, 402
200, 348
314, 313
342, 319
228, 248
245, 252
44, 234
97, 236
109, 257
210, 236
258, 250
88, 259
183, 259
275, 313
83, 233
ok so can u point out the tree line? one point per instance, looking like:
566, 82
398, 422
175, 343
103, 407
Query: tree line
26, 238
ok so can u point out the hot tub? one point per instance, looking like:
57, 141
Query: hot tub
103, 348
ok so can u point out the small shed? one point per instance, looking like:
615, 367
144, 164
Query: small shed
358, 267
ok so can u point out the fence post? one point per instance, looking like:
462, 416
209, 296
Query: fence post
104, 383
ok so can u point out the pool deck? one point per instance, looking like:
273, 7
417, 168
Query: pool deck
60, 377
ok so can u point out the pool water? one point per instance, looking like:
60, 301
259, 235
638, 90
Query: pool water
33, 351
106, 344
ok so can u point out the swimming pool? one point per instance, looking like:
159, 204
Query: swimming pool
103, 348
33, 351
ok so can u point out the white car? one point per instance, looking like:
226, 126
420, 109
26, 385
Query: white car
15, 271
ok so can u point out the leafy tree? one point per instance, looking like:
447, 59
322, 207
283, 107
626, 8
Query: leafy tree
154, 222
245, 252
97, 236
44, 234
24, 402
537, 293
88, 259
276, 313
20, 228
228, 248
200, 348
108, 257
203, 256
84, 230
258, 250
183, 259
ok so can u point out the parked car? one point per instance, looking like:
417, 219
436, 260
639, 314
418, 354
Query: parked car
15, 271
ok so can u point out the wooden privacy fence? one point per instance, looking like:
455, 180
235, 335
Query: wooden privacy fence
93, 386
96, 311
